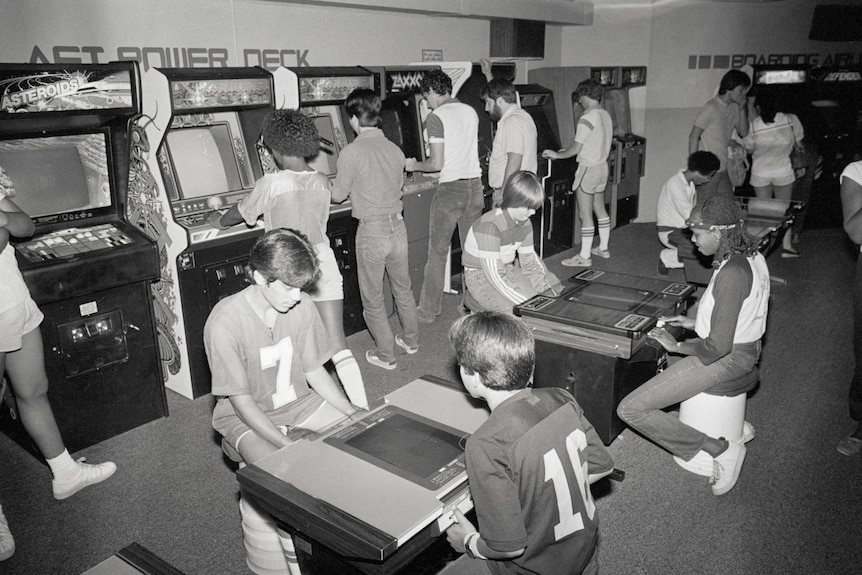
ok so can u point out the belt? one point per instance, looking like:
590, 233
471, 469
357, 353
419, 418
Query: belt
381, 217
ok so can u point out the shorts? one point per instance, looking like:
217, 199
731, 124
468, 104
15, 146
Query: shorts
782, 179
591, 179
17, 322
330, 284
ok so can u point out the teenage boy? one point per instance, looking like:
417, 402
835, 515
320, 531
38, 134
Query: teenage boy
675, 202
530, 465
515, 140
453, 136
593, 138
371, 172
713, 129
495, 282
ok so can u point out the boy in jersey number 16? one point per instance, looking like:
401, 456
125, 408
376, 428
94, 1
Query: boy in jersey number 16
530, 465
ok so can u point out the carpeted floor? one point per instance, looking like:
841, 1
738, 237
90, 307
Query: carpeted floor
795, 509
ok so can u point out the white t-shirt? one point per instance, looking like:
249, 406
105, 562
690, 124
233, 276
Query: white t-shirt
770, 144
675, 202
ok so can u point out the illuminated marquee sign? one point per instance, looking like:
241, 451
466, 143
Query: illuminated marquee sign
404, 81
219, 93
64, 91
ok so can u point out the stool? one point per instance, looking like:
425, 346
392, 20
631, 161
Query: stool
268, 549
717, 412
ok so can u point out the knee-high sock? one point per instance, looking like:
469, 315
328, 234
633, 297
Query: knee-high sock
587, 235
351, 377
604, 232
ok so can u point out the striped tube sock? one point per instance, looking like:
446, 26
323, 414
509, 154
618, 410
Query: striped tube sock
351, 377
604, 232
587, 235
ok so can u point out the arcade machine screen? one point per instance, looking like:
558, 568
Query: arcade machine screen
207, 160
408, 445
401, 123
326, 161
58, 174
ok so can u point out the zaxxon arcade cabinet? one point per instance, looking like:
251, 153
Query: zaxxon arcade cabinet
592, 338
64, 142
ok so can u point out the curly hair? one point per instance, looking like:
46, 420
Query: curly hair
437, 81
724, 214
291, 133
591, 89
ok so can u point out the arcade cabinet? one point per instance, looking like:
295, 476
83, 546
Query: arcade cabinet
835, 121
196, 149
321, 96
554, 227
628, 150
403, 113
592, 338
65, 134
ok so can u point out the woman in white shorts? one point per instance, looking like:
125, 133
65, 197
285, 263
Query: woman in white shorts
770, 140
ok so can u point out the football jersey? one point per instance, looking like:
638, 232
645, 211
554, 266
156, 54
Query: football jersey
528, 467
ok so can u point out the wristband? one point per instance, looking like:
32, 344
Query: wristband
471, 546
677, 347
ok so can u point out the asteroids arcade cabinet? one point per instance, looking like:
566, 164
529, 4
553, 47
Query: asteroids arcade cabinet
196, 152
65, 142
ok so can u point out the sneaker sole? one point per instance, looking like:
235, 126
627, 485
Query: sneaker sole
405, 348
379, 363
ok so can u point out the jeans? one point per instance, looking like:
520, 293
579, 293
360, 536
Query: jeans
487, 296
642, 408
381, 246
457, 203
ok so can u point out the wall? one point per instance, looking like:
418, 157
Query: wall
687, 46
229, 32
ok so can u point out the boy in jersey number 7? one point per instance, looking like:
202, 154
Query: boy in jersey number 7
530, 465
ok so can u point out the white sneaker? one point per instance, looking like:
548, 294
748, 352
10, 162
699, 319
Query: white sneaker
399, 341
372, 358
87, 475
726, 468
7, 543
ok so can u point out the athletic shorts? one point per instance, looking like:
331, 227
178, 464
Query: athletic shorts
591, 179
784, 179
330, 284
18, 321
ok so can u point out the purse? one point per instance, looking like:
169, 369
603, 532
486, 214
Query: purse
798, 156
737, 164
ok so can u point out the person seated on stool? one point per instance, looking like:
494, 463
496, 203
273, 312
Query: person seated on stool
267, 347
493, 279
677, 198
529, 465
731, 319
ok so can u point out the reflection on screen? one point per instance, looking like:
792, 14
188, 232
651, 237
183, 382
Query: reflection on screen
204, 161
408, 444
58, 174
610, 296
326, 161
402, 124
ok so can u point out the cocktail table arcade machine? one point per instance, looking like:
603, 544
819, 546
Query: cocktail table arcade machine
766, 219
370, 495
591, 339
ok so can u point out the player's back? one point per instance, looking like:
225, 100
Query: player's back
549, 448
